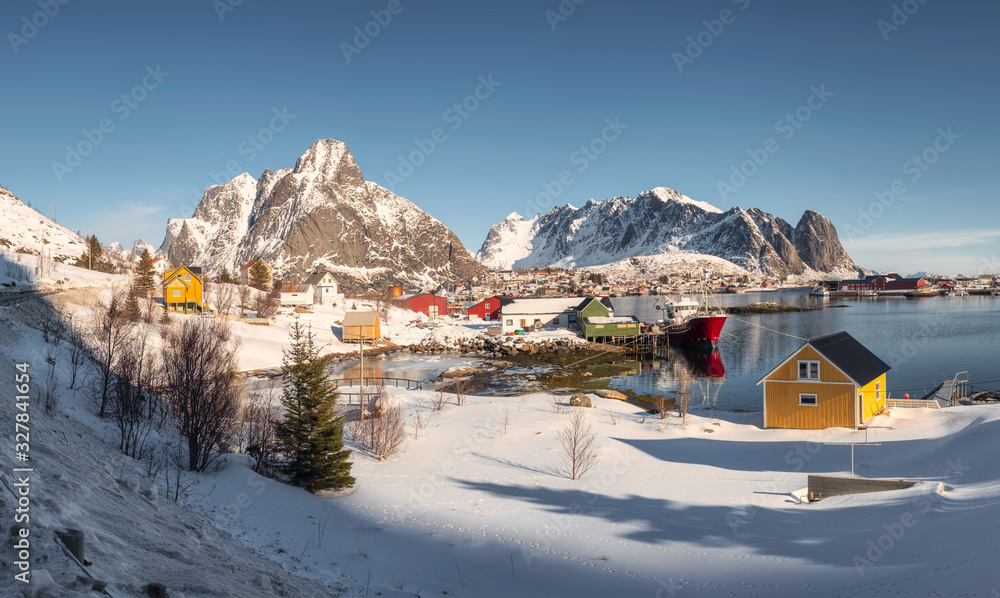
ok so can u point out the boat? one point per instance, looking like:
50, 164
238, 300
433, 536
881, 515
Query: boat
820, 291
868, 293
689, 322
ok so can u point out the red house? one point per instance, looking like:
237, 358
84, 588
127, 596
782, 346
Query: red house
488, 310
424, 303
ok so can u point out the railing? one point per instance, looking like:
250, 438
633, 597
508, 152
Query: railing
913, 403
377, 380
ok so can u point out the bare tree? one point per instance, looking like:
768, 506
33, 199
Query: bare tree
129, 404
383, 431
202, 386
223, 297
682, 394
110, 332
77, 353
245, 293
265, 304
461, 387
660, 402
577, 441
259, 420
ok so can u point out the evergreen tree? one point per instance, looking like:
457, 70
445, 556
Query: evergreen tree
93, 256
311, 435
145, 275
259, 277
225, 276
133, 313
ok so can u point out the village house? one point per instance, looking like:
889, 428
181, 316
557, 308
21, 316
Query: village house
488, 310
831, 381
425, 303
245, 273
324, 286
539, 314
361, 326
296, 294
182, 289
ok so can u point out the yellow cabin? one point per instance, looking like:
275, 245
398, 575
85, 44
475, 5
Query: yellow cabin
182, 289
361, 326
831, 381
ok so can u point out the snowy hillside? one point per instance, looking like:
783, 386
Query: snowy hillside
664, 222
24, 230
320, 214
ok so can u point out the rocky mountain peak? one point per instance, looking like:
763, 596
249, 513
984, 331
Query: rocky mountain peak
331, 159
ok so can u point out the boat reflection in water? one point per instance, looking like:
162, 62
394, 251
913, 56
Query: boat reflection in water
698, 372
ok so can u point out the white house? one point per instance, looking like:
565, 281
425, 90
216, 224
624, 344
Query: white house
324, 285
547, 314
296, 294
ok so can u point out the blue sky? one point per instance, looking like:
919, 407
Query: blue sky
697, 90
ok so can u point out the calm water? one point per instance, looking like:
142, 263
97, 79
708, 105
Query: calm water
924, 340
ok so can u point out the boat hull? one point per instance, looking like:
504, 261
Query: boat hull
697, 330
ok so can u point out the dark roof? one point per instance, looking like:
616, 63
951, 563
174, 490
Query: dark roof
853, 358
196, 270
315, 277
607, 303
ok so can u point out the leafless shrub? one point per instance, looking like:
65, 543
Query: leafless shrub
439, 400
77, 354
577, 442
556, 402
614, 418
202, 386
503, 419
266, 305
129, 407
259, 421
682, 394
245, 291
383, 431
49, 396
660, 402
460, 386
110, 332
223, 296
419, 423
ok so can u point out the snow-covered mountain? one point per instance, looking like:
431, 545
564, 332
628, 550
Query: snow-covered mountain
24, 230
664, 223
320, 214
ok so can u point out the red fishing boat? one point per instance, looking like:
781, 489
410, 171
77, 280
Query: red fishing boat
689, 322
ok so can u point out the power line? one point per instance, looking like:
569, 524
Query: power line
769, 329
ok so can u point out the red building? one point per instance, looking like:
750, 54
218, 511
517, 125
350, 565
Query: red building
489, 309
424, 303
889, 282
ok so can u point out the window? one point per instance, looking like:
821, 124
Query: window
176, 293
808, 370
555, 320
510, 322
187, 278
807, 399
599, 326
878, 392
487, 306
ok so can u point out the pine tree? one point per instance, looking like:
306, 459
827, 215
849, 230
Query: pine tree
225, 276
133, 313
93, 257
311, 435
259, 277
145, 275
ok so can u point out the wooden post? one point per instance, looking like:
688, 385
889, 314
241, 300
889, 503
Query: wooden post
74, 542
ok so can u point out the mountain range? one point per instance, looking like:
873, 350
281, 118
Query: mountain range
672, 230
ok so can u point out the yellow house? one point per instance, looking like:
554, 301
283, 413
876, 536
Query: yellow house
361, 326
831, 381
182, 289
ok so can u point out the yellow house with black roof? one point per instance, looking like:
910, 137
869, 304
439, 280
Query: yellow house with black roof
831, 381
182, 289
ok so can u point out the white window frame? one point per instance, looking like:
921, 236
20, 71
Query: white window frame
175, 293
510, 322
808, 362
878, 391
815, 399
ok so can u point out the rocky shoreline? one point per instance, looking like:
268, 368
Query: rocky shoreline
503, 346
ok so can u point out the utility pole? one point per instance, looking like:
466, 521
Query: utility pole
362, 376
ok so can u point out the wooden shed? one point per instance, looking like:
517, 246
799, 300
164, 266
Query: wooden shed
361, 326
831, 381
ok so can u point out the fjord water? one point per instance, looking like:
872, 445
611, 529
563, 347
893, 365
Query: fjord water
923, 340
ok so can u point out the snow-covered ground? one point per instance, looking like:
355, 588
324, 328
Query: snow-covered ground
477, 505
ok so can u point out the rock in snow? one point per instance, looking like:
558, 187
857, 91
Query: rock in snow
320, 214
663, 221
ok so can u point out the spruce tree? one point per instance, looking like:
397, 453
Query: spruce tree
145, 275
311, 435
93, 256
133, 313
225, 276
259, 277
